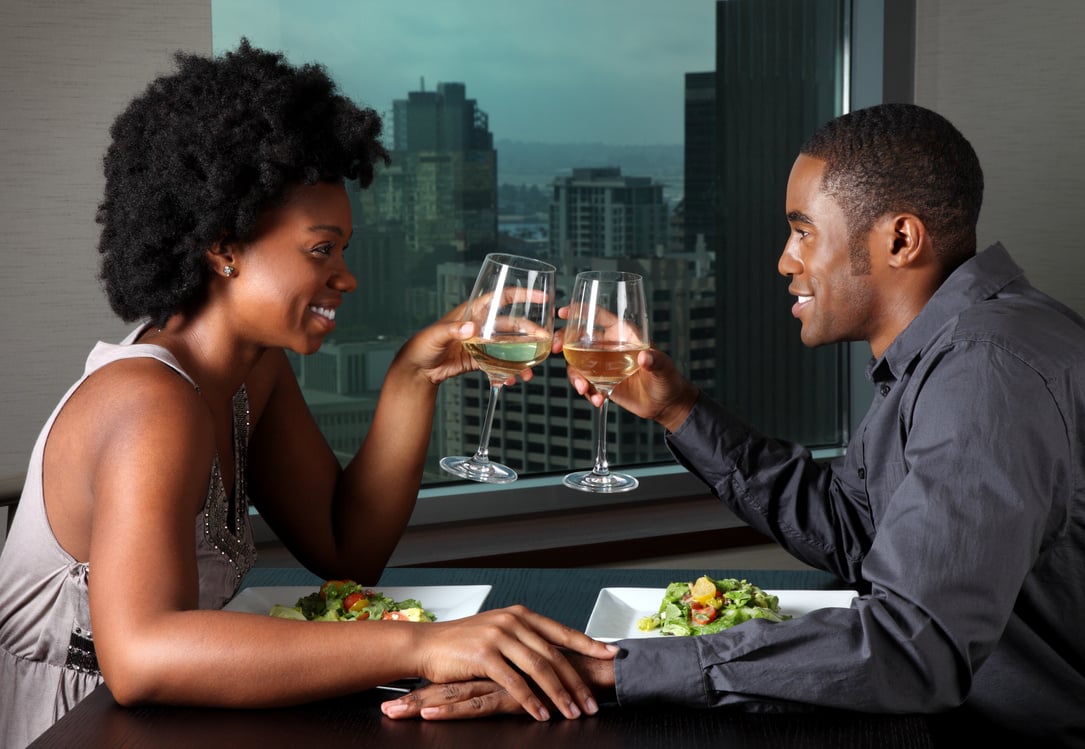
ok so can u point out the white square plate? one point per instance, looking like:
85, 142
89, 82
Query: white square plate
447, 602
617, 609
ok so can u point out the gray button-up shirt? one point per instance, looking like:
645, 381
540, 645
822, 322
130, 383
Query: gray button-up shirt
959, 506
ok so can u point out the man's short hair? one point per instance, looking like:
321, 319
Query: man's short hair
902, 157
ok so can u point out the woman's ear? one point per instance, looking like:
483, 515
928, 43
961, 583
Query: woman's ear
221, 257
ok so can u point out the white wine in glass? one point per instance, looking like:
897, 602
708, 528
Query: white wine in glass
607, 329
512, 306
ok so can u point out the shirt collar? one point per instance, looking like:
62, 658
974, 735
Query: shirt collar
980, 277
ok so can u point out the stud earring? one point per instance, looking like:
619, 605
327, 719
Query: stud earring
228, 270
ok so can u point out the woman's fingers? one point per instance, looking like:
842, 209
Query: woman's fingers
555, 634
558, 343
536, 651
567, 637
540, 661
501, 672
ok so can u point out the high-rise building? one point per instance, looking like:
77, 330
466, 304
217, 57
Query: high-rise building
437, 201
765, 372
375, 257
598, 213
442, 186
700, 194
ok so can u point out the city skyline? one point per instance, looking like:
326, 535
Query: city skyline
548, 72
429, 217
427, 220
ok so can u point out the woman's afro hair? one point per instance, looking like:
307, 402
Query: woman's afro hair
202, 153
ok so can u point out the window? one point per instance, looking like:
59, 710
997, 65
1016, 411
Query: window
644, 135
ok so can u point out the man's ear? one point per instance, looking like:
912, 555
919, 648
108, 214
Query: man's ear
905, 238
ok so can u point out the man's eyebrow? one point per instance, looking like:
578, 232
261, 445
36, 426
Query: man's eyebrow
799, 217
327, 227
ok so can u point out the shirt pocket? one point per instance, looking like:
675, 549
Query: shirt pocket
881, 486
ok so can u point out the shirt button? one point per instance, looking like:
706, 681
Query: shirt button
885, 390
862, 473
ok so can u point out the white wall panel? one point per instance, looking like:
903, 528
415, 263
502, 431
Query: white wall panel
1011, 76
67, 68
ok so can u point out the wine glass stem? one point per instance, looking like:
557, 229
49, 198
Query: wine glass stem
482, 455
601, 466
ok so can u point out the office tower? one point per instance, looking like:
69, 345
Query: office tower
598, 213
792, 65
445, 148
700, 200
376, 309
436, 202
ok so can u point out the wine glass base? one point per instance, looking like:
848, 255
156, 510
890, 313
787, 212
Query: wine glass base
602, 483
466, 467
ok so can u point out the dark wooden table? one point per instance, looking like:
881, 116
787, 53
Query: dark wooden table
565, 595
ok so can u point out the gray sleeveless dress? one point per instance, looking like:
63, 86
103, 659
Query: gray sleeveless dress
47, 660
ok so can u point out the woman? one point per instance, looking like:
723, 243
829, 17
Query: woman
225, 223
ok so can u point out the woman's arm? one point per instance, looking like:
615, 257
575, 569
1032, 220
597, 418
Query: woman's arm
155, 645
345, 522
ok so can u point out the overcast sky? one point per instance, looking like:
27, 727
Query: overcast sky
551, 71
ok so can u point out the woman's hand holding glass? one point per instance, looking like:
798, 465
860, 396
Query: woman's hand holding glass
437, 352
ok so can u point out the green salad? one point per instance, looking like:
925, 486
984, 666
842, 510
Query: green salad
346, 601
707, 606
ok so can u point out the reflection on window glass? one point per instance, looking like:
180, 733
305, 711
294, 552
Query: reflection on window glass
638, 135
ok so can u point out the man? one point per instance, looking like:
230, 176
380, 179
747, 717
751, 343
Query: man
960, 503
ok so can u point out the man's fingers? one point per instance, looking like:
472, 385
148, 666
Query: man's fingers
469, 699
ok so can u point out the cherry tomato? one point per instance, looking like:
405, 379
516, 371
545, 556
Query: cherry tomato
701, 614
355, 602
397, 616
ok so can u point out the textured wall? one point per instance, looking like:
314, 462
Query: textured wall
1009, 74
67, 67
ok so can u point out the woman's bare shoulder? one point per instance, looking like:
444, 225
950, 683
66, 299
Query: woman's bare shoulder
141, 393
126, 416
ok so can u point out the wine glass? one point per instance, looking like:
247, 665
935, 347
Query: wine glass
607, 329
512, 306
